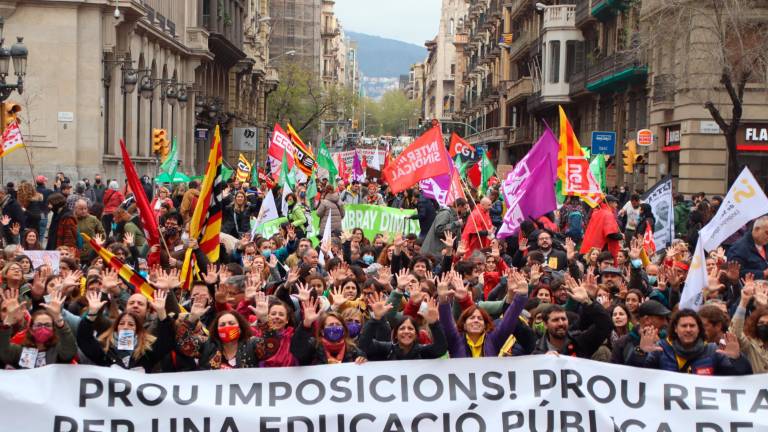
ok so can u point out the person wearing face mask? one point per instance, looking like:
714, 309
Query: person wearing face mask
404, 344
48, 339
331, 342
752, 334
230, 342
354, 320
126, 343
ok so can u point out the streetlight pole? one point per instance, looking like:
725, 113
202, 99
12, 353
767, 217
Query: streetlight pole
18, 53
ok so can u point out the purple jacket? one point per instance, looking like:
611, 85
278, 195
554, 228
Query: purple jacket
457, 344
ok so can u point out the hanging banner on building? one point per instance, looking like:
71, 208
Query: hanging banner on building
374, 219
489, 394
659, 197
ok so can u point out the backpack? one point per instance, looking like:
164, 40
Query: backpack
575, 225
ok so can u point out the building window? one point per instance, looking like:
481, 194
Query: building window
290, 29
451, 27
453, 69
290, 7
554, 62
606, 113
571, 59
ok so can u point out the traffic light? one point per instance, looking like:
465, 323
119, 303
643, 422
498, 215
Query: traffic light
630, 156
158, 141
165, 149
8, 114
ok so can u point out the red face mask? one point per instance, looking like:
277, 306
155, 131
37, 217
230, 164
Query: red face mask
41, 335
229, 333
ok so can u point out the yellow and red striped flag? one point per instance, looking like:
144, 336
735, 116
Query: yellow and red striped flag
126, 272
571, 154
305, 159
205, 225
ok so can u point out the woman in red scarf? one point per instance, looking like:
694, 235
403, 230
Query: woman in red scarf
231, 343
331, 342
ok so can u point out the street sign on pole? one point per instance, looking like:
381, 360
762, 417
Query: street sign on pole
604, 143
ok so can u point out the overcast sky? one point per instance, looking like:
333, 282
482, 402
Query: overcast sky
414, 21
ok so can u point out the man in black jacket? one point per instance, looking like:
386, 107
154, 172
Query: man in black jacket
11, 208
750, 251
594, 319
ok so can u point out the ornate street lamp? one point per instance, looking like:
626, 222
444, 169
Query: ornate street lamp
19, 54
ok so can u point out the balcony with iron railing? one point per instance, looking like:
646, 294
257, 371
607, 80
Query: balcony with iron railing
663, 90
559, 17
578, 82
518, 89
520, 135
615, 71
519, 44
605, 9
516, 6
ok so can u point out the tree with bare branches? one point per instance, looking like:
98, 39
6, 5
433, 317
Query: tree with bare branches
721, 53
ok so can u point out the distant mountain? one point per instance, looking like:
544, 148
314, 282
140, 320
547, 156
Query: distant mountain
386, 58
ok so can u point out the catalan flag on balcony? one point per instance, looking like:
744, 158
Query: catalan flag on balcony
506, 38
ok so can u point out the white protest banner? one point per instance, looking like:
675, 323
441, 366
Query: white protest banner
692, 296
372, 156
745, 201
532, 393
659, 197
40, 257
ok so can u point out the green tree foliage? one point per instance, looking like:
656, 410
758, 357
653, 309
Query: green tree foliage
390, 115
301, 99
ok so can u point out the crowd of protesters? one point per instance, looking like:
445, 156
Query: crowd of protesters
454, 290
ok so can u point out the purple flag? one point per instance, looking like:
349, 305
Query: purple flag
546, 146
357, 169
438, 187
534, 196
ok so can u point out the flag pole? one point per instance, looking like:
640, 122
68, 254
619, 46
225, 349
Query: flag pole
474, 203
29, 161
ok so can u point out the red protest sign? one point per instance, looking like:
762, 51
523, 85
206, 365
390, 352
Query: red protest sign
280, 142
424, 158
577, 175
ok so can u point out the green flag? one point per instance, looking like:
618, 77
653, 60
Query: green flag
254, 176
311, 191
486, 172
286, 177
461, 166
325, 161
172, 161
226, 172
597, 166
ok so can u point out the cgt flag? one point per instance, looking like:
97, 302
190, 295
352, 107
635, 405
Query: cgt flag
459, 146
279, 143
424, 158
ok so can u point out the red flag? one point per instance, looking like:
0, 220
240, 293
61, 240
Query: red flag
148, 221
474, 175
648, 244
424, 158
264, 178
280, 142
460, 146
364, 162
342, 166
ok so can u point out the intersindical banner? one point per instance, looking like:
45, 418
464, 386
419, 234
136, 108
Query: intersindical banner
534, 393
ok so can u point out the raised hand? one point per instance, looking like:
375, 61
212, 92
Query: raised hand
523, 244
293, 275
570, 249
747, 292
649, 339
53, 305
379, 305
635, 248
109, 280
72, 280
577, 292
14, 309
304, 292
158, 303
261, 310
732, 349
252, 287
444, 291
94, 302
311, 313
516, 282
462, 249
99, 239
384, 275
128, 239
732, 271
169, 279
211, 275
337, 298
15, 229
535, 273
449, 239
5, 220
402, 279
199, 308
431, 313
272, 263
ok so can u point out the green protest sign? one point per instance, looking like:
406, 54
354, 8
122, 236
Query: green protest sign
379, 219
267, 229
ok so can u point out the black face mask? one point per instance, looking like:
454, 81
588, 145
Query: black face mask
172, 232
97, 181
762, 332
